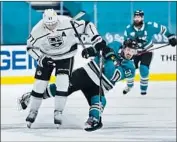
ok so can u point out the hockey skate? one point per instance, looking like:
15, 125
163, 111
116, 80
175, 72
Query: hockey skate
58, 118
93, 124
24, 100
143, 92
31, 117
126, 90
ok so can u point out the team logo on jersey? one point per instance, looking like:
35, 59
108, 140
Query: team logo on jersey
39, 73
128, 73
132, 34
56, 41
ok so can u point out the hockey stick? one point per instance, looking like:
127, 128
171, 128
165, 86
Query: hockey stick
79, 15
101, 62
152, 49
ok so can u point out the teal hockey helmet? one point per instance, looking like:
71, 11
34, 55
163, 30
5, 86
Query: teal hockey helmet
139, 13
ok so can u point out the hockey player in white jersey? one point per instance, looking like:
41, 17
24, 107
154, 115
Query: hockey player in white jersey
117, 65
53, 44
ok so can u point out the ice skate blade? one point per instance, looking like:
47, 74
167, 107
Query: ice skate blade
94, 128
143, 93
19, 107
125, 92
29, 125
58, 126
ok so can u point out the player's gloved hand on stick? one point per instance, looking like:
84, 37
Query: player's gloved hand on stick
108, 53
88, 52
45, 61
172, 40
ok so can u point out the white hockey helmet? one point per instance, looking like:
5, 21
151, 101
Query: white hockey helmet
50, 19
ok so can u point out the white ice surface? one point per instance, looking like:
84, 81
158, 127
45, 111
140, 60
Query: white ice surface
130, 117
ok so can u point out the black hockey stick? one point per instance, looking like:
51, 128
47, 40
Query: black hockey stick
101, 62
79, 15
152, 49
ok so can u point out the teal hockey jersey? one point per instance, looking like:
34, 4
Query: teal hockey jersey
113, 71
145, 34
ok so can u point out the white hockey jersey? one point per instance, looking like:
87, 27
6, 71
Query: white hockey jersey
61, 43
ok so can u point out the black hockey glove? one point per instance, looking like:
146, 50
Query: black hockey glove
89, 52
108, 53
93, 51
44, 61
172, 40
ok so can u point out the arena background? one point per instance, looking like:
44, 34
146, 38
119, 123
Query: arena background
111, 18
126, 118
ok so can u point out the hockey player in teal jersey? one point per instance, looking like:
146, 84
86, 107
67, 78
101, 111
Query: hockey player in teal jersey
117, 66
143, 32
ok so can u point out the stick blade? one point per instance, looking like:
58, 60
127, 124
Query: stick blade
79, 15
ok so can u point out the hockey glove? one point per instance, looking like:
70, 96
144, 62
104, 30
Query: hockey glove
108, 53
89, 52
44, 61
172, 40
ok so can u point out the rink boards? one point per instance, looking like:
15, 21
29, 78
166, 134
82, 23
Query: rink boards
17, 67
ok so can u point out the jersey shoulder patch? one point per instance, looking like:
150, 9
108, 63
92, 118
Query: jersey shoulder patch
154, 24
149, 23
128, 26
36, 30
63, 18
116, 46
81, 22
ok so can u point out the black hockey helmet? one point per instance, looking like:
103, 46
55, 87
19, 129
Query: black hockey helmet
139, 13
131, 43
129, 49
